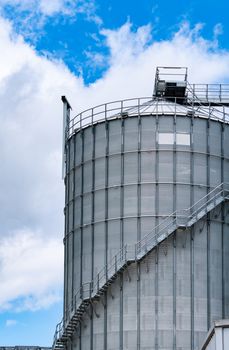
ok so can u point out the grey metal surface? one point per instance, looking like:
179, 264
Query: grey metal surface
182, 219
25, 347
124, 176
218, 336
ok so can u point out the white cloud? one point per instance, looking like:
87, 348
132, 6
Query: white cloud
30, 16
32, 193
10, 323
49, 7
31, 270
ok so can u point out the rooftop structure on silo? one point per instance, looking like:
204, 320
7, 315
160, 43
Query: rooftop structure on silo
147, 219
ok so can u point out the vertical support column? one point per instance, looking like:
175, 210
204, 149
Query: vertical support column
67, 233
66, 119
66, 248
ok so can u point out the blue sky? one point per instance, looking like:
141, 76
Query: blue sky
93, 52
74, 37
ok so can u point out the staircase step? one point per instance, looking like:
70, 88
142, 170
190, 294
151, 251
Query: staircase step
113, 277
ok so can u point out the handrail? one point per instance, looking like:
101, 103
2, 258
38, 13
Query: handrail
179, 218
114, 109
191, 90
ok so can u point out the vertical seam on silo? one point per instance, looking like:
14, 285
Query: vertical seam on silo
174, 236
81, 218
174, 162
156, 296
68, 211
208, 276
191, 230
106, 223
192, 285
174, 289
139, 178
121, 313
139, 227
81, 226
222, 216
192, 163
122, 182
156, 222
121, 230
192, 235
208, 227
73, 220
93, 226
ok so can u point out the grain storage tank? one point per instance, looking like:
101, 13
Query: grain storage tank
146, 219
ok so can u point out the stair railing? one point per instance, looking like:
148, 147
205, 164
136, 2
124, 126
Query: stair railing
179, 218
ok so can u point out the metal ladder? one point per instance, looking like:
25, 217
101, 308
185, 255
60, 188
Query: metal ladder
91, 291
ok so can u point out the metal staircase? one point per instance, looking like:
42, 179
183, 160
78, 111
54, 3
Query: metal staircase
89, 292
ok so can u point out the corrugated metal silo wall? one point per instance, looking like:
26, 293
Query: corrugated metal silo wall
123, 177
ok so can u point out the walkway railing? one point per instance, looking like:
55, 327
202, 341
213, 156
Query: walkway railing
195, 98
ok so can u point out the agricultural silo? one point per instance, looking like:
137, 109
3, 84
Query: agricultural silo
146, 219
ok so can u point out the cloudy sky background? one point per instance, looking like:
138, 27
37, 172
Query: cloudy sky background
92, 52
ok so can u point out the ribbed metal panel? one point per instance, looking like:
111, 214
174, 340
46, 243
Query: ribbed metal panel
123, 177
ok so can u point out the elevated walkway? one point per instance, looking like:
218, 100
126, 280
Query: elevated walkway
89, 292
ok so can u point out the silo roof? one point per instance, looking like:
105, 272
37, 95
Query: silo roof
160, 106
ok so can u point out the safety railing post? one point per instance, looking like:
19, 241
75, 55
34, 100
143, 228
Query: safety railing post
80, 120
115, 263
105, 272
98, 282
137, 250
145, 246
